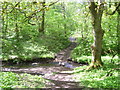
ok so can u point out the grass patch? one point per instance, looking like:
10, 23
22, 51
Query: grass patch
13, 80
105, 77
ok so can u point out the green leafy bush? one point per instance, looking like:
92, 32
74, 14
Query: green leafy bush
83, 48
45, 46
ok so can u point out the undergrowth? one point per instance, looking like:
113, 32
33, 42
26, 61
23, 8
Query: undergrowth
13, 80
104, 77
42, 47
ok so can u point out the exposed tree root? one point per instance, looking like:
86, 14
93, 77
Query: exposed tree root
94, 66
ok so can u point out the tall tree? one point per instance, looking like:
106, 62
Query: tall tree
42, 28
118, 27
64, 16
43, 18
118, 30
96, 9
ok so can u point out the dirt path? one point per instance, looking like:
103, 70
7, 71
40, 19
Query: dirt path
60, 77
59, 71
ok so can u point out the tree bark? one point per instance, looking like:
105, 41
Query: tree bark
96, 12
118, 32
42, 29
64, 16
3, 32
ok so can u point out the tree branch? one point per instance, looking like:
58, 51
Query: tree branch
53, 3
35, 12
114, 10
14, 7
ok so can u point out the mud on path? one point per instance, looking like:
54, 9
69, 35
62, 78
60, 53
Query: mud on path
58, 71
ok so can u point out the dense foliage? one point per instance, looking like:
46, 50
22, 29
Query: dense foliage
22, 22
41, 29
20, 31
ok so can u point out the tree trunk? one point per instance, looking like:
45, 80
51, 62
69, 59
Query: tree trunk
97, 45
118, 32
42, 29
43, 21
96, 12
64, 16
3, 32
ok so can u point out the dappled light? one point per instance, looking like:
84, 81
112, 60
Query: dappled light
60, 44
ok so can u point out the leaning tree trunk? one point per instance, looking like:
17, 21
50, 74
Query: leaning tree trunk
96, 12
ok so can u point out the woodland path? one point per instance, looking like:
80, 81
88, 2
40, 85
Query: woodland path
58, 71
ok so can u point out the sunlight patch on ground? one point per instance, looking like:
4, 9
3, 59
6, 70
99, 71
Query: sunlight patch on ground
70, 72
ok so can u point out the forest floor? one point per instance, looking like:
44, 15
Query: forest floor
58, 71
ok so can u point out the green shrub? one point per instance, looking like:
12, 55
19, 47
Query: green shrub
83, 48
43, 47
